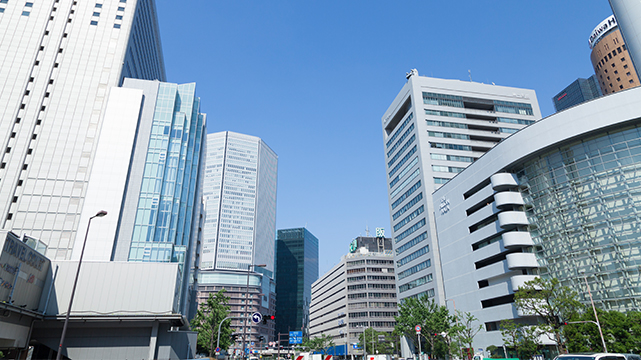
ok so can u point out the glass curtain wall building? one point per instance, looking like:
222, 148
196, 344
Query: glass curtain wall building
59, 60
240, 198
581, 90
432, 131
296, 270
559, 199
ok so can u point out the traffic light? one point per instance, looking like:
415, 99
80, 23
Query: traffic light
268, 317
234, 337
261, 338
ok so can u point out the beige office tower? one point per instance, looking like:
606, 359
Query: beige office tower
58, 60
610, 58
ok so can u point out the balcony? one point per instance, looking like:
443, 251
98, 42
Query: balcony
517, 261
506, 198
519, 280
517, 239
510, 219
503, 181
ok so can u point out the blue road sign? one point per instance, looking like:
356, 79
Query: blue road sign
295, 337
257, 317
217, 349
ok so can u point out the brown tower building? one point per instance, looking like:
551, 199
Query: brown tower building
610, 58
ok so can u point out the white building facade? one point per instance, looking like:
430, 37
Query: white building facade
240, 197
433, 130
58, 60
559, 199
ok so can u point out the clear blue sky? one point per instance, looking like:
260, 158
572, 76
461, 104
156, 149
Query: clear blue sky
312, 79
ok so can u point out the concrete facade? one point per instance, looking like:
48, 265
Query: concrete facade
433, 130
557, 199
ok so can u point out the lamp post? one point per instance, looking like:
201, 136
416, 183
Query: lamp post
100, 213
598, 324
247, 308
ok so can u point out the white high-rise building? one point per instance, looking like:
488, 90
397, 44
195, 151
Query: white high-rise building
58, 59
433, 130
240, 202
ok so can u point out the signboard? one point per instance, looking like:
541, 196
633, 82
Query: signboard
353, 245
380, 232
217, 349
257, 318
601, 30
295, 337
23, 272
418, 329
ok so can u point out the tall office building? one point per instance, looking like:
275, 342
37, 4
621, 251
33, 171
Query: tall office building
240, 198
239, 192
58, 59
579, 91
610, 58
296, 270
433, 130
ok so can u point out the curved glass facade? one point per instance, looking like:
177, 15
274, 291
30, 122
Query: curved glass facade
584, 207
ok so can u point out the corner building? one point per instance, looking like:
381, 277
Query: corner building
356, 294
433, 130
58, 60
561, 198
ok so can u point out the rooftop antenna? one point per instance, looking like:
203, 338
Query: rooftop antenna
469, 72
366, 230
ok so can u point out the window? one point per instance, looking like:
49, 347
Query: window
29, 4
625, 66
4, 1
628, 74
25, 13
99, 5
622, 59
616, 71
116, 26
120, 8
631, 81
118, 17
95, 13
93, 22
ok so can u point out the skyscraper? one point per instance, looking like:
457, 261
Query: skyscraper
610, 58
59, 59
579, 91
296, 270
433, 130
240, 198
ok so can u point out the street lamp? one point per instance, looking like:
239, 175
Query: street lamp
247, 307
100, 213
598, 324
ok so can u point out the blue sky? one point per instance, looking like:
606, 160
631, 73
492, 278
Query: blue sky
313, 78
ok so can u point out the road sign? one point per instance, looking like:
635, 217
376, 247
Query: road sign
418, 329
257, 317
217, 349
252, 343
295, 337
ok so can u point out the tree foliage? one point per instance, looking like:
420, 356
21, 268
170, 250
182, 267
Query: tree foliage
372, 341
551, 302
320, 343
621, 331
466, 330
206, 322
523, 340
439, 335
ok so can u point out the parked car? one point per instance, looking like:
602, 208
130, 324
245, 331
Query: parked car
595, 356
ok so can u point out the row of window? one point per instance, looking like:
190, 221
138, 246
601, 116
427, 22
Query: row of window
409, 231
403, 161
472, 103
450, 146
409, 167
415, 255
448, 135
409, 192
407, 206
406, 182
609, 56
400, 140
400, 152
414, 269
415, 283
399, 129
401, 249
451, 169
451, 158
409, 218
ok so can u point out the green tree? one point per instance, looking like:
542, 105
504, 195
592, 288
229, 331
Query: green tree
552, 302
373, 341
435, 320
206, 322
465, 330
523, 340
320, 343
621, 331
